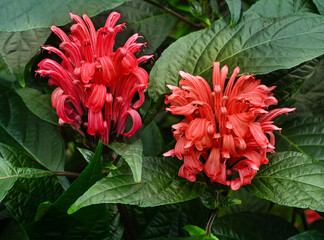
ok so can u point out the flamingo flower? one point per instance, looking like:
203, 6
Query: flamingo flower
227, 130
95, 84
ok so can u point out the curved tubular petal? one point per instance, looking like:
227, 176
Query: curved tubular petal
137, 122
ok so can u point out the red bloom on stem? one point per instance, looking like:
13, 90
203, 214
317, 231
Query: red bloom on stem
311, 216
96, 84
226, 129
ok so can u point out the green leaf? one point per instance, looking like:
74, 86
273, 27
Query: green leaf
17, 48
88, 177
197, 231
12, 230
5, 183
303, 134
143, 17
13, 166
20, 15
89, 223
250, 203
297, 83
39, 104
160, 185
152, 140
86, 153
132, 153
235, 10
26, 194
42, 209
320, 6
252, 226
212, 200
23, 199
291, 179
308, 236
167, 221
278, 8
22, 129
252, 41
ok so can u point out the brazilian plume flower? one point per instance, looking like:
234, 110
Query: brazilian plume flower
95, 84
226, 131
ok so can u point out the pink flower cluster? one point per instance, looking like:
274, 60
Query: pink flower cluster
95, 84
226, 129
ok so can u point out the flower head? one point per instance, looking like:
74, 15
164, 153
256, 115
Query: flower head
95, 84
226, 129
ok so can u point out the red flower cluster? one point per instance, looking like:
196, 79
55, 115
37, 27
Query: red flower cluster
225, 127
96, 84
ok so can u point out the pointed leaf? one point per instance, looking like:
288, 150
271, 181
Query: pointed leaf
152, 140
167, 221
87, 178
235, 10
160, 185
252, 226
20, 128
5, 183
308, 236
197, 231
39, 104
17, 48
303, 134
278, 8
320, 6
252, 41
291, 179
20, 15
90, 223
143, 18
132, 153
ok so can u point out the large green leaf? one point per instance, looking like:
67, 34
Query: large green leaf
132, 153
278, 8
22, 129
303, 134
92, 222
27, 193
167, 221
39, 104
301, 87
291, 83
88, 177
235, 9
257, 45
20, 15
291, 179
308, 236
17, 48
160, 185
320, 6
144, 18
6, 183
23, 198
252, 226
152, 140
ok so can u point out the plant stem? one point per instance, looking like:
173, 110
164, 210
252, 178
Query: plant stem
168, 10
303, 217
211, 220
127, 221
